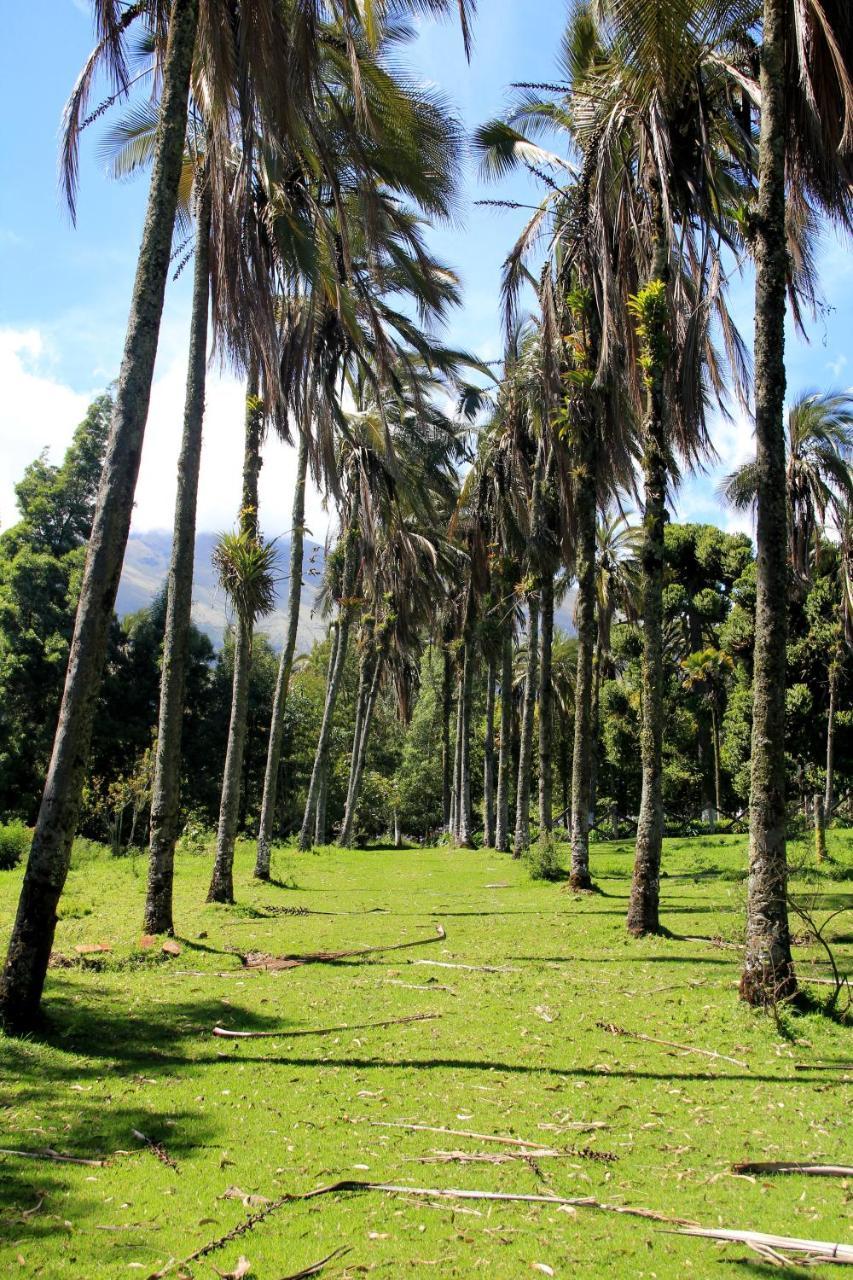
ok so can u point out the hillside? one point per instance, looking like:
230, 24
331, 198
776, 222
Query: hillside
146, 567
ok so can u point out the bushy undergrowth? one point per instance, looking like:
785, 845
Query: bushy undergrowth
543, 859
15, 841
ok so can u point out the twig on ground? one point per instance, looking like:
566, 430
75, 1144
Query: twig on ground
794, 1166
420, 986
472, 968
670, 1044
157, 1149
225, 1034
259, 960
823, 1066
815, 1250
47, 1153
534, 1144
316, 1267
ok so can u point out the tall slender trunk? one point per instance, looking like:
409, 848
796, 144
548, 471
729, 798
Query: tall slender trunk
359, 751
466, 834
505, 748
446, 764
525, 750
585, 499
595, 731
50, 852
285, 666
322, 804
768, 972
829, 797
718, 781
489, 758
456, 791
644, 906
546, 707
222, 881
165, 794
321, 756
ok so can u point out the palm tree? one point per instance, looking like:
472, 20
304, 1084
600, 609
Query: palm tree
47, 866
244, 570
806, 114
818, 473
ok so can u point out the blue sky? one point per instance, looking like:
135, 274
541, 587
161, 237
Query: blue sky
64, 291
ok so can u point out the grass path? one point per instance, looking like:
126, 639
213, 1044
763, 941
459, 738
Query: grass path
518, 1051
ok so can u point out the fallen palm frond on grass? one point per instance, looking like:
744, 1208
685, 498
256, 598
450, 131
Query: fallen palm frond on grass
260, 959
794, 1166
775, 1248
670, 1044
225, 1034
157, 1149
428, 1193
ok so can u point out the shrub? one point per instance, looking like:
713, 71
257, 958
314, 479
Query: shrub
543, 859
15, 841
195, 837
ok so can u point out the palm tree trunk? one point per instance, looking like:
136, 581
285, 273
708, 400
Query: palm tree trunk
285, 666
595, 733
165, 794
446, 765
465, 837
768, 972
829, 797
456, 793
546, 708
644, 906
489, 759
585, 497
50, 852
222, 880
360, 755
525, 751
718, 781
321, 755
505, 748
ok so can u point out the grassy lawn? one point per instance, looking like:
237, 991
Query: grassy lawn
514, 1052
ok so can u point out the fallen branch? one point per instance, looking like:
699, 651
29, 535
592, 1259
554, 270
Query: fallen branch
794, 1166
670, 1044
533, 1145
432, 985
473, 968
816, 1250
259, 960
225, 1034
49, 1154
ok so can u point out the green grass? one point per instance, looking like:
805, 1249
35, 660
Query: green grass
514, 1052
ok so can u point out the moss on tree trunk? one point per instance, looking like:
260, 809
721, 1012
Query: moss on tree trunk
768, 972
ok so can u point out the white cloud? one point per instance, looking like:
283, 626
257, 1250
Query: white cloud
36, 413
39, 412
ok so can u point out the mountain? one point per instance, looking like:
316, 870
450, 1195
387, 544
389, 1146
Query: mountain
146, 568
